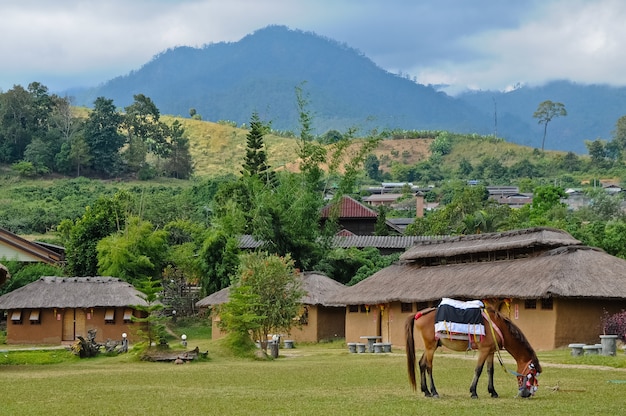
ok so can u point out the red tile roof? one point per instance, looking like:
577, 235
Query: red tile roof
350, 208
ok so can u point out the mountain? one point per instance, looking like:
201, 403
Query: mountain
228, 81
592, 113
345, 89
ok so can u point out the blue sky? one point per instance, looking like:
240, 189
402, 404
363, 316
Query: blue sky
475, 44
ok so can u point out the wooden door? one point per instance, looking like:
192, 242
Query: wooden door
68, 325
74, 324
80, 323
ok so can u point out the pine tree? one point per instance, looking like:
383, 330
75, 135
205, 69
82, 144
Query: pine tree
255, 163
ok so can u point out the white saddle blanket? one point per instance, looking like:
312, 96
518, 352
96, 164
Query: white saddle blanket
454, 316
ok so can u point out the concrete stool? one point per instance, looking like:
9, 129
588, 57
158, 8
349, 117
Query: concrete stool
352, 347
360, 347
288, 343
577, 349
386, 346
592, 349
378, 347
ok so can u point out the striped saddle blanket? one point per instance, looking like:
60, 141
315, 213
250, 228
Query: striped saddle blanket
457, 319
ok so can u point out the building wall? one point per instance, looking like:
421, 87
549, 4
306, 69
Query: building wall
538, 324
49, 329
362, 322
331, 323
547, 326
322, 324
580, 321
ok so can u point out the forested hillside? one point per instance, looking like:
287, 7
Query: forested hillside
229, 81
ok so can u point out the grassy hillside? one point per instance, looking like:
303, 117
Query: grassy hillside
219, 149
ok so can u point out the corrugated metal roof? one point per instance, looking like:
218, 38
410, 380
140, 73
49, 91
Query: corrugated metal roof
343, 240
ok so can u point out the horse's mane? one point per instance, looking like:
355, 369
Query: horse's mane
518, 335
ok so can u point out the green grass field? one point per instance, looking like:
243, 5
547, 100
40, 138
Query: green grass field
308, 380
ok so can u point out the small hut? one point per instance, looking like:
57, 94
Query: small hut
555, 289
318, 321
54, 310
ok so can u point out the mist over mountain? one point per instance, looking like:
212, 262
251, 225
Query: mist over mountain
344, 88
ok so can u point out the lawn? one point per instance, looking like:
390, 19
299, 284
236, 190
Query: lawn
308, 380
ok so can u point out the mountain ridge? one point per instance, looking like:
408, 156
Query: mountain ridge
345, 89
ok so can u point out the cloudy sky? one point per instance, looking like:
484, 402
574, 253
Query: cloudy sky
478, 44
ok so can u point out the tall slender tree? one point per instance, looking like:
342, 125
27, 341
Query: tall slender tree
546, 111
255, 163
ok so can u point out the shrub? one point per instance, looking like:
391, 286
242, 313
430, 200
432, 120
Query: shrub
615, 324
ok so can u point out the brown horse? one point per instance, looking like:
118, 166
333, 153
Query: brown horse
505, 334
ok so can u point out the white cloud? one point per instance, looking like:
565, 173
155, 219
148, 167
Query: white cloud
481, 44
577, 40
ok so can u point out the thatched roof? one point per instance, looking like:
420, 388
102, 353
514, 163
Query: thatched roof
571, 271
318, 288
73, 292
213, 299
539, 237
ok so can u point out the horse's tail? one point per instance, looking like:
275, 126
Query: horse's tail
409, 328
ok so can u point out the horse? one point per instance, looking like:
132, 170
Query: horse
500, 332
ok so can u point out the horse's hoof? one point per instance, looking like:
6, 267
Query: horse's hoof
474, 396
494, 395
435, 396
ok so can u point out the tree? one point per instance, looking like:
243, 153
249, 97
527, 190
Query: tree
287, 220
272, 289
103, 137
372, 167
312, 154
103, 218
16, 117
134, 253
179, 164
152, 317
597, 152
545, 112
619, 134
255, 163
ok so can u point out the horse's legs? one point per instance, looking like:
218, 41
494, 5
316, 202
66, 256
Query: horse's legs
477, 372
426, 366
490, 371
424, 385
484, 355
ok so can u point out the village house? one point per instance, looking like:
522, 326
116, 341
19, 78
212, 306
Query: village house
14, 247
318, 321
56, 310
555, 289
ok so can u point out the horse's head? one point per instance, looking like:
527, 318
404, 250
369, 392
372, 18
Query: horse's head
527, 380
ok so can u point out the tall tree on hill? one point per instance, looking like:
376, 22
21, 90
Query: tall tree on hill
15, 123
312, 154
545, 112
179, 164
146, 133
255, 163
103, 137
619, 134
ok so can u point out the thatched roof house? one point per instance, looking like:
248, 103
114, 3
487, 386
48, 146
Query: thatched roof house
55, 309
320, 320
538, 266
